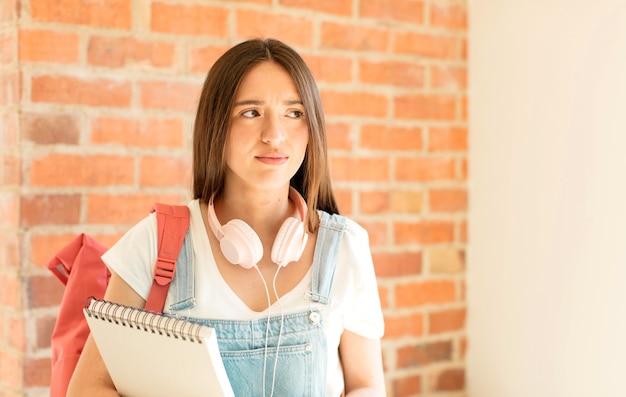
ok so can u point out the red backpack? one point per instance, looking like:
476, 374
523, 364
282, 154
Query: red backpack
79, 267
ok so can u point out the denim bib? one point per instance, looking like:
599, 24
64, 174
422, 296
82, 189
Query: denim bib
294, 359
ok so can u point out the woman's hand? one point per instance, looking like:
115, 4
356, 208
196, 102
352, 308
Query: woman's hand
91, 377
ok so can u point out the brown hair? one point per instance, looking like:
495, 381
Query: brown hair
312, 180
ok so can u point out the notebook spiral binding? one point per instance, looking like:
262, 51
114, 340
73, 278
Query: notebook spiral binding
144, 320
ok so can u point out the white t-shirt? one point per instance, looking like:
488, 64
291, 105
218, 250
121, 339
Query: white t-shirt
354, 301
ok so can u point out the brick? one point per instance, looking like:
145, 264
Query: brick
344, 200
424, 169
330, 69
8, 10
44, 327
9, 88
117, 52
339, 136
397, 264
48, 46
445, 260
446, 321
407, 385
149, 133
424, 354
462, 231
403, 326
9, 135
50, 129
354, 103
165, 171
423, 293
9, 251
72, 90
383, 293
449, 16
335, 7
393, 73
408, 11
11, 376
463, 169
294, 30
377, 231
37, 372
453, 78
452, 379
463, 344
425, 107
427, 45
7, 50
201, 59
363, 169
447, 200
10, 295
464, 48
44, 291
189, 19
50, 209
123, 209
424, 232
16, 334
407, 201
116, 14
447, 139
354, 37
171, 95
9, 209
44, 246
58, 169
262, 2
394, 201
385, 137
10, 170
375, 202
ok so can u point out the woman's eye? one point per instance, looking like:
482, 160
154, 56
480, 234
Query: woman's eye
295, 114
250, 113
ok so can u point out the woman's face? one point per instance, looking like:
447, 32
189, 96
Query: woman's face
268, 132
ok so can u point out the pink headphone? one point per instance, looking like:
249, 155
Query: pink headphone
240, 244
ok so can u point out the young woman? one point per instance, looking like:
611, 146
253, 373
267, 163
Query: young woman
276, 270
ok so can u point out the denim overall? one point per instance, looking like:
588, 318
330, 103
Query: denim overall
301, 345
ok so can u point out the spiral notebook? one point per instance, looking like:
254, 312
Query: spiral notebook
151, 355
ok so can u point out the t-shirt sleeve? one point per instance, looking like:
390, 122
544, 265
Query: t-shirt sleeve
363, 313
134, 255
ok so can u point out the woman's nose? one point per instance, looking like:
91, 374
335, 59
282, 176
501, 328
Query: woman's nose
273, 130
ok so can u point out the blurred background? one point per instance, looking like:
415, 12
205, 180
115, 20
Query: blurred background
479, 142
97, 107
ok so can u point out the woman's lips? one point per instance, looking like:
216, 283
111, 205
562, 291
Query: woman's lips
273, 158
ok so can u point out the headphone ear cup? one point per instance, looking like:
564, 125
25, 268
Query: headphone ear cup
289, 243
240, 244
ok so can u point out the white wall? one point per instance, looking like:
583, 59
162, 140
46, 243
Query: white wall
547, 252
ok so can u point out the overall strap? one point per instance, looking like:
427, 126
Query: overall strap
329, 237
172, 225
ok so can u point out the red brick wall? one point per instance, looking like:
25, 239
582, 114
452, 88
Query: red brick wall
12, 331
97, 102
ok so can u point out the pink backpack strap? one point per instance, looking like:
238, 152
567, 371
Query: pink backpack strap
172, 225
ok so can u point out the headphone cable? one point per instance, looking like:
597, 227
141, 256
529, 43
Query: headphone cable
267, 326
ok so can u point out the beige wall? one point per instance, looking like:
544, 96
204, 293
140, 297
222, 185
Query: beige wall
547, 256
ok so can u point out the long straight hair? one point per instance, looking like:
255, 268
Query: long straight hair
212, 123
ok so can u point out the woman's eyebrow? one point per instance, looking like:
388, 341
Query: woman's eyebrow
247, 102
